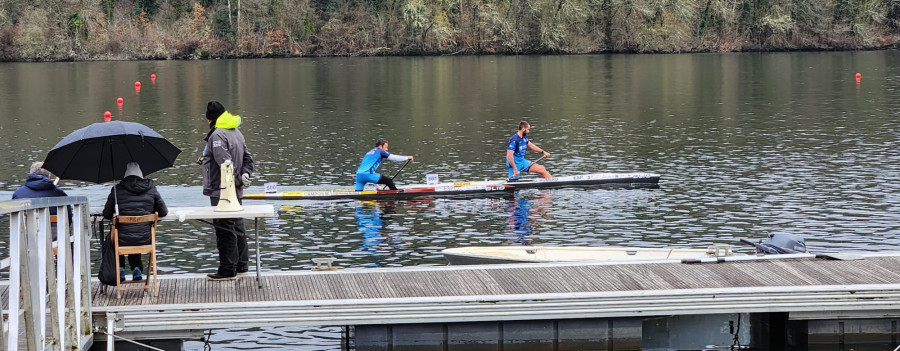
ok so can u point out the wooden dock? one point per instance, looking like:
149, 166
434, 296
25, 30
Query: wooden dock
511, 292
804, 285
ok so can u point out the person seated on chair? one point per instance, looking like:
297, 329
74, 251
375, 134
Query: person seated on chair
370, 162
39, 184
135, 196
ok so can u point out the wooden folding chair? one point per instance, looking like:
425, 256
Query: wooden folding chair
141, 249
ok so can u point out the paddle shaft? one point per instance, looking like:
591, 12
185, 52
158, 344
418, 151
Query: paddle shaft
398, 172
401, 168
523, 169
532, 162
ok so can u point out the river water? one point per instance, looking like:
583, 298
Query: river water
747, 144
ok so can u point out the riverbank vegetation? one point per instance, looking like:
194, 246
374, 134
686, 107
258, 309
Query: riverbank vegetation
49, 30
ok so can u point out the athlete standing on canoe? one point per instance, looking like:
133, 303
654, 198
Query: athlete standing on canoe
370, 162
515, 154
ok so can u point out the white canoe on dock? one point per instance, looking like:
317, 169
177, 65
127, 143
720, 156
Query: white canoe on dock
538, 254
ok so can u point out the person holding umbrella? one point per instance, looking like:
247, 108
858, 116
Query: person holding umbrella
102, 152
224, 142
135, 196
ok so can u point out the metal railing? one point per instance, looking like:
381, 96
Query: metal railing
49, 281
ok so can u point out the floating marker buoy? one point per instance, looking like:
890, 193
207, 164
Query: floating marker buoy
120, 101
858, 76
137, 85
107, 116
153, 76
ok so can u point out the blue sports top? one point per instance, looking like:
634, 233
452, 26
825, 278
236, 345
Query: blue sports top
371, 161
518, 145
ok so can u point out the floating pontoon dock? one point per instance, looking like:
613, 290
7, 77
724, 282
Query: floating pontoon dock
514, 292
803, 287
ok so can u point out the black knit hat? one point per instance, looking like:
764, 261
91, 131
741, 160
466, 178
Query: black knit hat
214, 109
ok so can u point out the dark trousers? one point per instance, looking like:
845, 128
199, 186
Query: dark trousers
387, 181
134, 261
231, 240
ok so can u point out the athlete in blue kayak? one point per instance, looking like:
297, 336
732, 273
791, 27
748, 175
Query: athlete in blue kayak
370, 162
515, 154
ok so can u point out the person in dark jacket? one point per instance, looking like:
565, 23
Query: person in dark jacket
38, 184
225, 142
136, 197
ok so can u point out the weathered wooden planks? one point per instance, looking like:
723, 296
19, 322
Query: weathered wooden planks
511, 280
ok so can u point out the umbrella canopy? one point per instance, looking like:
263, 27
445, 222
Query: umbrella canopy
99, 152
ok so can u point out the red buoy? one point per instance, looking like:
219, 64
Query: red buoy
107, 116
153, 76
120, 101
858, 76
137, 85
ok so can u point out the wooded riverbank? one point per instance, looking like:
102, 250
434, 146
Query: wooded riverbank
61, 30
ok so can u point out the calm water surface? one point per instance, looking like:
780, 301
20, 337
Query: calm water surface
747, 144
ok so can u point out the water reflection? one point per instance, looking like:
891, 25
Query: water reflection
370, 220
383, 225
526, 214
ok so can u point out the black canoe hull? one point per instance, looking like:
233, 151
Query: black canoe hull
587, 180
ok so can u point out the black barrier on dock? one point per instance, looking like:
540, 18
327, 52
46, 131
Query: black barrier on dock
574, 334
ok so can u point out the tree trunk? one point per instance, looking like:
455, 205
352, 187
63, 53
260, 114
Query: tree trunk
607, 16
229, 14
237, 29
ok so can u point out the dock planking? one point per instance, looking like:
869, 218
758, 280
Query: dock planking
469, 293
511, 280
504, 280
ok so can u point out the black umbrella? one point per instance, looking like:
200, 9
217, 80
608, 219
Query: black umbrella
99, 152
